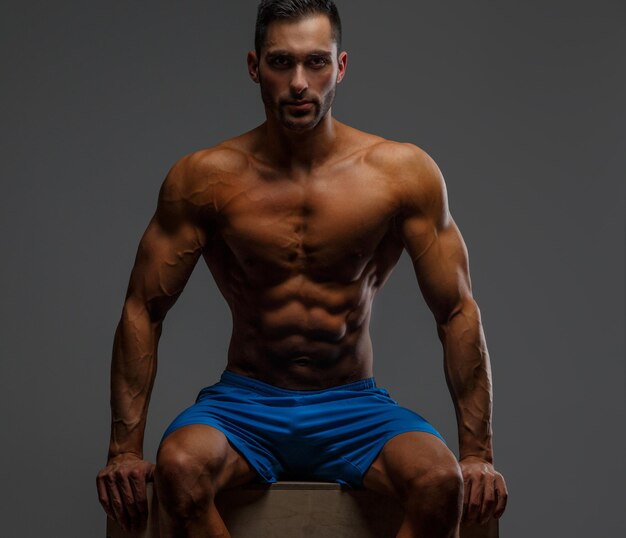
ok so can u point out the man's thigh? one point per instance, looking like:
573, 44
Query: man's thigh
202, 450
404, 458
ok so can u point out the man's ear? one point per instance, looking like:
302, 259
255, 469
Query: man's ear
342, 60
253, 66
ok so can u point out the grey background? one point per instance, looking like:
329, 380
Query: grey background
520, 103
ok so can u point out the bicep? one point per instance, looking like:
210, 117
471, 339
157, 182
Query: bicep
440, 260
163, 264
168, 251
433, 240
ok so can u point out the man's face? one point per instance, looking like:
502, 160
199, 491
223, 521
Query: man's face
298, 71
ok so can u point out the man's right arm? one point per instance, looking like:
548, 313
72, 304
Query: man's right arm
167, 254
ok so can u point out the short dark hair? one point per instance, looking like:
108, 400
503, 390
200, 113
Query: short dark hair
272, 10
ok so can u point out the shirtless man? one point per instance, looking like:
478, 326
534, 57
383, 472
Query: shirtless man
301, 221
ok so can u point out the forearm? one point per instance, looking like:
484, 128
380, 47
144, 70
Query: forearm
468, 374
133, 369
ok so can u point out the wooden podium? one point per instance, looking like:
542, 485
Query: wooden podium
302, 510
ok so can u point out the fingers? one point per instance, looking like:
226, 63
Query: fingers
473, 498
137, 484
116, 502
502, 496
122, 493
130, 507
104, 496
485, 493
467, 491
489, 500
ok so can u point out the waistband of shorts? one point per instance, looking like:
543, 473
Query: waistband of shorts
233, 378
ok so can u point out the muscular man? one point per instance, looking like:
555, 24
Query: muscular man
301, 221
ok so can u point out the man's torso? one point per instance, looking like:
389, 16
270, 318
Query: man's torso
299, 256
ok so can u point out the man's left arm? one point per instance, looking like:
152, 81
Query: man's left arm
440, 260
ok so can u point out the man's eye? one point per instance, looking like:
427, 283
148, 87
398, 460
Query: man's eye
280, 61
318, 62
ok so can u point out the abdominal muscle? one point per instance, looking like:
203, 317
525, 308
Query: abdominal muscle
303, 335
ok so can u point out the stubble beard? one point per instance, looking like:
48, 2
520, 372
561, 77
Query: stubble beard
278, 108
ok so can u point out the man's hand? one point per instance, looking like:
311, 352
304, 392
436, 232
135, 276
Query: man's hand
485, 493
122, 490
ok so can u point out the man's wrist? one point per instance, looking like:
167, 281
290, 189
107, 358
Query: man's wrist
116, 451
485, 455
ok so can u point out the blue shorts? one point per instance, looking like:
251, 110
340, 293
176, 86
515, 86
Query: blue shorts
331, 434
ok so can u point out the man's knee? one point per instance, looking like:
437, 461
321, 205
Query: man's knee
444, 478
441, 482
187, 478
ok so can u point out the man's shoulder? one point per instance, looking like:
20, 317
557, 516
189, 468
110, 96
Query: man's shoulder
411, 170
223, 158
195, 173
396, 156
377, 151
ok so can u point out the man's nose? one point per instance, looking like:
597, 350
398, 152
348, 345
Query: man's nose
299, 83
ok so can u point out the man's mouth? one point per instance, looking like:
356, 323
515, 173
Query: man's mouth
300, 105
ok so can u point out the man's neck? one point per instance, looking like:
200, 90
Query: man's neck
299, 151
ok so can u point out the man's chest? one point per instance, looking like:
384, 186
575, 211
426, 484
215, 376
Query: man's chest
322, 221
